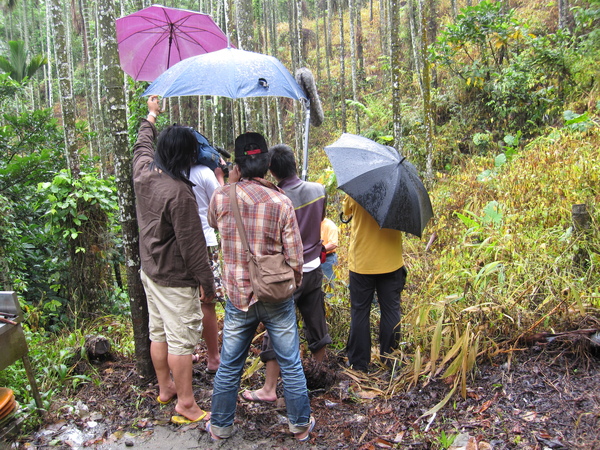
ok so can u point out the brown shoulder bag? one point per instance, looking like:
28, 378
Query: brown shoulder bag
271, 277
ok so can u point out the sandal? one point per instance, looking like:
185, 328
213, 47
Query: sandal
165, 402
181, 420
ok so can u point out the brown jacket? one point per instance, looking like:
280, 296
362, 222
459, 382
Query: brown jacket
172, 245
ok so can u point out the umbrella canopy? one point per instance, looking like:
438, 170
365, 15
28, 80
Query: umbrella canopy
156, 38
383, 182
229, 73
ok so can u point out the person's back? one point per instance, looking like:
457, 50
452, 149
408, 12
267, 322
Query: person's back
309, 202
266, 214
205, 184
166, 208
175, 270
271, 227
375, 264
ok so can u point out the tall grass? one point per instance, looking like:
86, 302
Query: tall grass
495, 273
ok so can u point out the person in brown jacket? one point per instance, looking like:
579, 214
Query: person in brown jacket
175, 269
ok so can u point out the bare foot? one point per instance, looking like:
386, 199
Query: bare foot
256, 396
167, 394
193, 414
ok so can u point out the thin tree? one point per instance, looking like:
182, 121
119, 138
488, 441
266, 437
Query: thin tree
564, 15
395, 57
327, 33
353, 62
342, 69
244, 20
414, 19
116, 109
67, 100
427, 106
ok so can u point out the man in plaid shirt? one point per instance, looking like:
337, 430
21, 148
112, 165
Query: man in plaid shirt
271, 227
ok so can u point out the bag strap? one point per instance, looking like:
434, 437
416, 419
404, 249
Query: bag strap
238, 218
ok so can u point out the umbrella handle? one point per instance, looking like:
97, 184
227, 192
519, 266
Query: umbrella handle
345, 220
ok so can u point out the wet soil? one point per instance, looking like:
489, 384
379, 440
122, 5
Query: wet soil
537, 397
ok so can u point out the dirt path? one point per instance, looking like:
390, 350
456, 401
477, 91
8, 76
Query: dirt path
547, 397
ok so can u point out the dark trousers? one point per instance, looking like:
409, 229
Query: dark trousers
362, 288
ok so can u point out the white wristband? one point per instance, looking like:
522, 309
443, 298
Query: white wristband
153, 114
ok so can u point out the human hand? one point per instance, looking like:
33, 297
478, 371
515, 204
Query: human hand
234, 174
220, 175
206, 298
153, 108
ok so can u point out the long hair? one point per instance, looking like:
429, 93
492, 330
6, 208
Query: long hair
176, 151
283, 161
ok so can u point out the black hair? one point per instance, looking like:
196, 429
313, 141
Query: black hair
253, 166
283, 161
176, 151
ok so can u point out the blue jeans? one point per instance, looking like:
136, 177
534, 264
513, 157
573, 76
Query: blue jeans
327, 267
238, 331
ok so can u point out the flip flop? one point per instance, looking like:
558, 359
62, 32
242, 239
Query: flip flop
254, 398
181, 420
211, 371
195, 358
311, 425
165, 402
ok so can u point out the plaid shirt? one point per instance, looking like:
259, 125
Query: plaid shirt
271, 227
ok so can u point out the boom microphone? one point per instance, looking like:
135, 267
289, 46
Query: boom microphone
305, 79
223, 152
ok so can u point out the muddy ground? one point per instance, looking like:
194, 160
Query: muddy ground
547, 396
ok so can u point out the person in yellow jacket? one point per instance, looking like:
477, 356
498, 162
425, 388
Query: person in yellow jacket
375, 263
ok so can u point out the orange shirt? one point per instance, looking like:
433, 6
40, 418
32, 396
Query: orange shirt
329, 234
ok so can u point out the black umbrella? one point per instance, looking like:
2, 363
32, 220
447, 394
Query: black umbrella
383, 182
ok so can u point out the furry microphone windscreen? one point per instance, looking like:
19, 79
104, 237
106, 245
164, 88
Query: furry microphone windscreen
305, 79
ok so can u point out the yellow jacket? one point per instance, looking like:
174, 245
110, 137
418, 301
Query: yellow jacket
373, 250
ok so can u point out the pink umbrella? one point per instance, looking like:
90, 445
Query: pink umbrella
155, 38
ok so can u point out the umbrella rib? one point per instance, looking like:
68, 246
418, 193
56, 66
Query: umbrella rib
154, 45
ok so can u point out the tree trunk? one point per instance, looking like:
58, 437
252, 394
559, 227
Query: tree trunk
395, 58
342, 69
89, 73
353, 60
432, 31
427, 107
564, 15
415, 37
318, 45
297, 61
67, 101
328, 52
359, 43
113, 80
384, 25
48, 67
244, 21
